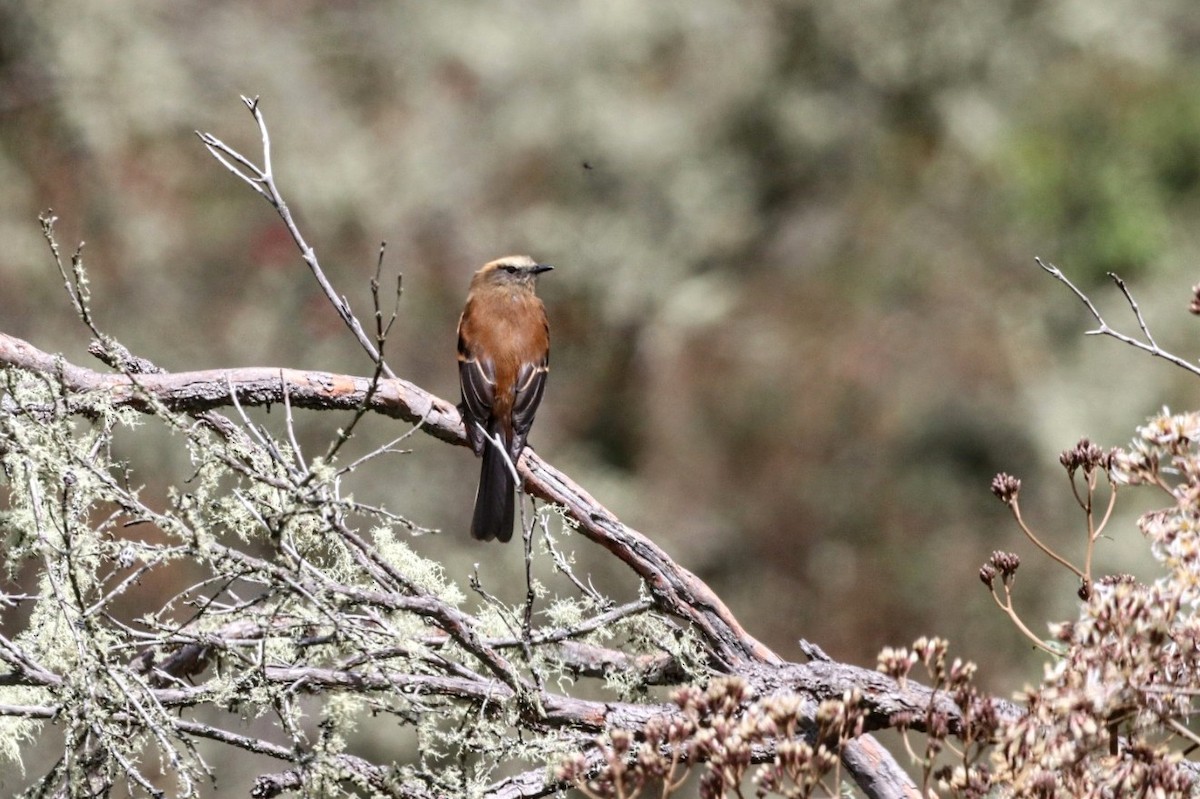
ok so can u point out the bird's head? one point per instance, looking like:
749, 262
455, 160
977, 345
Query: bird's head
511, 270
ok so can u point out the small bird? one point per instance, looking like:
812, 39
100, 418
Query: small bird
503, 358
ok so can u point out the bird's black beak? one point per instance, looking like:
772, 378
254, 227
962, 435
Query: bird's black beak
537, 269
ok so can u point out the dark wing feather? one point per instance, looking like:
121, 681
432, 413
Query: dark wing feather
477, 379
531, 382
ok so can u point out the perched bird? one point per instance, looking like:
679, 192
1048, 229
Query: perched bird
503, 358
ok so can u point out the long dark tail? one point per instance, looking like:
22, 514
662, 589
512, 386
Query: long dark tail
494, 505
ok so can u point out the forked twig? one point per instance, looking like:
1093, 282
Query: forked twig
1149, 345
262, 180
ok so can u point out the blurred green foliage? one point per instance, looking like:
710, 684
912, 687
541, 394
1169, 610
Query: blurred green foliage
796, 320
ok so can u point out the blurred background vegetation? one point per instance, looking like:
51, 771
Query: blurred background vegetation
797, 324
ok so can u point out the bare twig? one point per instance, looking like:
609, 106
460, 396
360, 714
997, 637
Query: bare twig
262, 180
1149, 345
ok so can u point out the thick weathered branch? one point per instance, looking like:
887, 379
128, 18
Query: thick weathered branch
193, 392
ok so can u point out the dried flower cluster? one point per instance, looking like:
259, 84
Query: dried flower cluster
1085, 464
725, 732
1111, 716
966, 738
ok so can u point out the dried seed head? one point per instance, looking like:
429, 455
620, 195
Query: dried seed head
1084, 455
1006, 563
1006, 487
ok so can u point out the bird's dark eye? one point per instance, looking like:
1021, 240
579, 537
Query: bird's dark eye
508, 268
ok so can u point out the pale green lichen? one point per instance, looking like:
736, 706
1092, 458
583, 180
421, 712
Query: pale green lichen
278, 585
